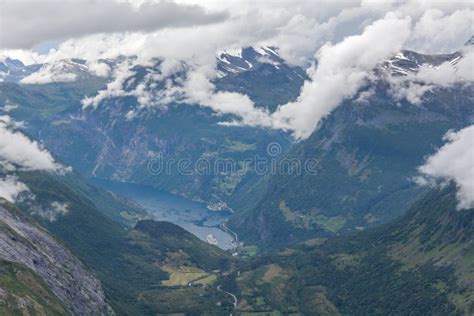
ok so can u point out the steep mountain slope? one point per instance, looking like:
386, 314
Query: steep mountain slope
33, 253
105, 143
419, 264
15, 70
367, 149
98, 228
261, 74
129, 263
367, 152
22, 292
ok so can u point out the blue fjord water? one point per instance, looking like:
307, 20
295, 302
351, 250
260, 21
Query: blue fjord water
193, 216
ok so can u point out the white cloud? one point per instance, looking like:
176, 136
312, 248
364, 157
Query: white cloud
55, 72
10, 188
51, 213
8, 107
146, 92
341, 71
7, 120
441, 32
32, 22
99, 69
195, 88
411, 91
299, 29
198, 89
455, 161
465, 67
114, 88
413, 86
19, 150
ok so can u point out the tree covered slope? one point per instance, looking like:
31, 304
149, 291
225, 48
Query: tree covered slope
421, 263
132, 263
367, 154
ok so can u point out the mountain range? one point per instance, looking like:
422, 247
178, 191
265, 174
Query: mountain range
354, 145
357, 236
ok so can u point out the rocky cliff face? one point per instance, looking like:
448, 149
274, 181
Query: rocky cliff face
105, 143
22, 241
367, 155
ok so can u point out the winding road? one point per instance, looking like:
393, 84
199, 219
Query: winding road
233, 296
237, 244
236, 237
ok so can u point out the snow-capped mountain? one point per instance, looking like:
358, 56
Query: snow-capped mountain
64, 70
409, 62
470, 41
229, 62
406, 62
9, 64
243, 59
15, 70
261, 73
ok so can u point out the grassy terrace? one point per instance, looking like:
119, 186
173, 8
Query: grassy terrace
182, 276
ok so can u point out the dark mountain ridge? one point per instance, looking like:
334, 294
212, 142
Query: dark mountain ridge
419, 264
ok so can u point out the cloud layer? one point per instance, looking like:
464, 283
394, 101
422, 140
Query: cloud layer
348, 38
19, 151
49, 73
341, 71
10, 188
412, 87
455, 161
33, 22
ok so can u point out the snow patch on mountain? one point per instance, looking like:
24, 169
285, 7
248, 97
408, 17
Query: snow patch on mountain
65, 70
235, 61
411, 75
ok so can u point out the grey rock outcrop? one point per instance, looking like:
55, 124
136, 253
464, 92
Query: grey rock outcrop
25, 242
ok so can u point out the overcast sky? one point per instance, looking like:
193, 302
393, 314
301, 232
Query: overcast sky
187, 28
26, 23
348, 38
